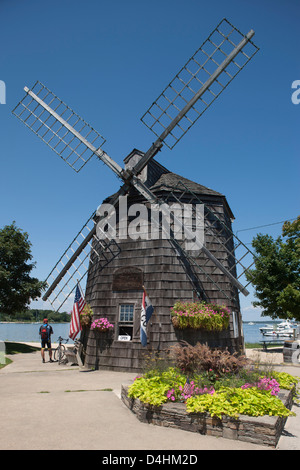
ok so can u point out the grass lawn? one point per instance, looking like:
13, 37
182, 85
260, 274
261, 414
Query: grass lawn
253, 345
260, 346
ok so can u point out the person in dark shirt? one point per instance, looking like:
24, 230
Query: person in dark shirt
45, 333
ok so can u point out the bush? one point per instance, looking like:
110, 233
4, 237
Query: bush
199, 358
235, 401
152, 389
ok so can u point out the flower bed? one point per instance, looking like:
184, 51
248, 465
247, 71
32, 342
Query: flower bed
230, 392
256, 399
200, 315
262, 430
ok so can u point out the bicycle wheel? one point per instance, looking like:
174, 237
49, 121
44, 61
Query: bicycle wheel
59, 353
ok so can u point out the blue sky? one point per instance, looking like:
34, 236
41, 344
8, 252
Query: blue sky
109, 61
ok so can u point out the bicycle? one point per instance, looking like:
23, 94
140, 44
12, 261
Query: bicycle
60, 351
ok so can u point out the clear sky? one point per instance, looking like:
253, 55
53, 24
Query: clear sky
109, 60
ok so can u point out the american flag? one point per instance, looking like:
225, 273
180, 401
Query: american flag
79, 303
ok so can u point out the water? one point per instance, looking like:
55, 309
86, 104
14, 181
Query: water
252, 333
29, 332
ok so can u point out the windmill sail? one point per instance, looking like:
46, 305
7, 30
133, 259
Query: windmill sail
200, 81
237, 256
197, 85
85, 250
61, 128
229, 271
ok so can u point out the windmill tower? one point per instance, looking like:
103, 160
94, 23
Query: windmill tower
116, 266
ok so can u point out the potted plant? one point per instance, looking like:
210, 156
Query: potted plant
86, 316
101, 325
200, 315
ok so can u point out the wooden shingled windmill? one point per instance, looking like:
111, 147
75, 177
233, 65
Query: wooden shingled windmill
117, 267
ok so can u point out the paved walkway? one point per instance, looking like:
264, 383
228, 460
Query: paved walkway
78, 413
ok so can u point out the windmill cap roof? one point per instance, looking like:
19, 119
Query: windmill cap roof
160, 178
172, 180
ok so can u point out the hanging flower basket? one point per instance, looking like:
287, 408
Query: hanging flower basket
200, 315
86, 316
102, 325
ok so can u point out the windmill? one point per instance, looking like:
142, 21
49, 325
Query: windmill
191, 92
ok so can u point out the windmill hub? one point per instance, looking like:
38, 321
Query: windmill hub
127, 176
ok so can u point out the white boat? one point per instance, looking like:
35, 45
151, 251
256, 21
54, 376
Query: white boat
284, 329
267, 329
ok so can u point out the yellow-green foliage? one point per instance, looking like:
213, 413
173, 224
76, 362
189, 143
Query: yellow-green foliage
285, 380
235, 401
153, 390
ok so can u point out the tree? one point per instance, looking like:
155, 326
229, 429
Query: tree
276, 277
17, 288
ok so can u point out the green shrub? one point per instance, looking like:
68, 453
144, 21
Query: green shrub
153, 389
235, 401
285, 380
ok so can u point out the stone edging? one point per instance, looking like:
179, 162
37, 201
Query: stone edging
262, 430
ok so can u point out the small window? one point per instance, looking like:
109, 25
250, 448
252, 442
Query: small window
125, 325
126, 313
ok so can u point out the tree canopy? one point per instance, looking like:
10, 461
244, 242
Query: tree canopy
32, 315
276, 277
17, 287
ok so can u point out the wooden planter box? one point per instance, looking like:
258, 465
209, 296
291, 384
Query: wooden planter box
214, 339
262, 430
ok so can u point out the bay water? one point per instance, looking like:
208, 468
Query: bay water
29, 332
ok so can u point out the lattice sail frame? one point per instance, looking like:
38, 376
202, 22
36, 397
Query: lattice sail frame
86, 249
193, 76
53, 131
240, 258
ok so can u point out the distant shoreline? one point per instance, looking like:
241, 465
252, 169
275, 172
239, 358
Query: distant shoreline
58, 322
30, 322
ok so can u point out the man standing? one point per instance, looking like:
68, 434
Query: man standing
45, 332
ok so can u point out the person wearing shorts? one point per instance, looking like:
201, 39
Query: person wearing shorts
45, 333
